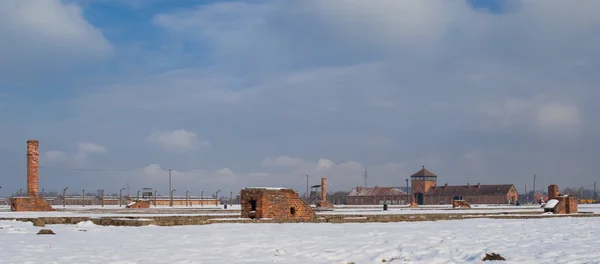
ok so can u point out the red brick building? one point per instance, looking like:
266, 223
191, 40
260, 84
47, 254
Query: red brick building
377, 195
274, 203
425, 191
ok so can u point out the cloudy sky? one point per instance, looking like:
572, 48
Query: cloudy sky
261, 93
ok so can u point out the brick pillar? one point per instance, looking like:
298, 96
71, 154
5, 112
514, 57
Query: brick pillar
323, 189
552, 191
32, 167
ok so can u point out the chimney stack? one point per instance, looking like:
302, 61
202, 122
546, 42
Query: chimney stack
323, 189
552, 191
33, 154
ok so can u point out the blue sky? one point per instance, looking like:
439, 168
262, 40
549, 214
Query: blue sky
232, 94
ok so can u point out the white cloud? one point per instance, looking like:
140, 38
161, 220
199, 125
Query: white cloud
88, 147
283, 161
558, 116
55, 156
40, 27
179, 140
540, 115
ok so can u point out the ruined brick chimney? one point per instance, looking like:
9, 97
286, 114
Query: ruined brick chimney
323, 189
552, 191
33, 154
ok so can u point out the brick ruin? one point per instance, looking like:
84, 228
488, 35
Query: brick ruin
564, 204
32, 202
139, 204
460, 204
323, 203
274, 203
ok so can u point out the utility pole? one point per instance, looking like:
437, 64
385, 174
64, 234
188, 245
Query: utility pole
121, 196
217, 198
102, 197
594, 191
533, 198
307, 194
365, 176
202, 198
154, 198
45, 195
407, 194
186, 198
83, 198
526, 194
65, 196
138, 196
171, 192
230, 199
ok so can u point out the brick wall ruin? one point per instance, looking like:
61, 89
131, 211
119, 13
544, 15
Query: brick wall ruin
460, 204
274, 203
139, 204
32, 202
323, 203
566, 204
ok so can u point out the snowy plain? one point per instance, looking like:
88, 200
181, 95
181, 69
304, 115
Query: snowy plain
115, 211
549, 240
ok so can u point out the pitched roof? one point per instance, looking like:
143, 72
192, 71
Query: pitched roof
464, 190
423, 173
377, 191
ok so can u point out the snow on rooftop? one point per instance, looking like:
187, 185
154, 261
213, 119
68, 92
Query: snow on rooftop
551, 204
268, 188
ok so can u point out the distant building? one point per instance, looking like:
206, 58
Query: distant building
377, 195
425, 191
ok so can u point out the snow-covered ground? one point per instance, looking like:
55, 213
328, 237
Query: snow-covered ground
115, 211
550, 240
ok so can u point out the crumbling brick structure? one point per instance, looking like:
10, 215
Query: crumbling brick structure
32, 202
274, 203
566, 204
460, 204
139, 204
324, 203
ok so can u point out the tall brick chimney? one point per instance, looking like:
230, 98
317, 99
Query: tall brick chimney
324, 189
33, 154
552, 191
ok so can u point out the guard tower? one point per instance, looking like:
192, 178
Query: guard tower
421, 182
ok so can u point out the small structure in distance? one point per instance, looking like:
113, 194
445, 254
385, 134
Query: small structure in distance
32, 202
558, 203
274, 203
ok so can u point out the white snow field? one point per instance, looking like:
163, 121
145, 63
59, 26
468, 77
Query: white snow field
548, 240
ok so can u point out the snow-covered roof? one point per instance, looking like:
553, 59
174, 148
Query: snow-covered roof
551, 204
377, 191
268, 188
